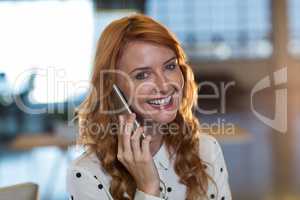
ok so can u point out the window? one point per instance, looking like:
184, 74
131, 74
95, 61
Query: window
217, 29
51, 38
294, 27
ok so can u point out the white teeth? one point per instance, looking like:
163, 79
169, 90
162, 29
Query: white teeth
164, 101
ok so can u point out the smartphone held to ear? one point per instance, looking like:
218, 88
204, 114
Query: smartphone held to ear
124, 103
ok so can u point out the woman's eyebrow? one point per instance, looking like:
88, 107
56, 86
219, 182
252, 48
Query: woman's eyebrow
140, 68
147, 68
169, 60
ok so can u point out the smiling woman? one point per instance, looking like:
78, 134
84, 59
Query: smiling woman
157, 87
149, 66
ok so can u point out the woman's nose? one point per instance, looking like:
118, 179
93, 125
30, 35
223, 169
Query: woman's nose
162, 85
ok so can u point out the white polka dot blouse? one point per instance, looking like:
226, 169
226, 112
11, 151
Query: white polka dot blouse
87, 181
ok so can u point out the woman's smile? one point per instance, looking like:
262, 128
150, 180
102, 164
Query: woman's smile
163, 103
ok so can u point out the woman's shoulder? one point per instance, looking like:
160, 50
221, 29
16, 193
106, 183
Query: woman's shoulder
89, 164
86, 160
85, 178
85, 172
209, 147
212, 155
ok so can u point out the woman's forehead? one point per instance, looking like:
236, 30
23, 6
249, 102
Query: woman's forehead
141, 54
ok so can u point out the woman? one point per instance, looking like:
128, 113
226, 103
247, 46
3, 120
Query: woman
175, 160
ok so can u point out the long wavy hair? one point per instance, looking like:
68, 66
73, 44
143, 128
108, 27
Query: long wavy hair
184, 145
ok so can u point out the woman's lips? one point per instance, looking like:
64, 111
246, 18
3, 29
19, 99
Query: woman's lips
169, 106
161, 97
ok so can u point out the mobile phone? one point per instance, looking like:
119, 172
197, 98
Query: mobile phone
123, 100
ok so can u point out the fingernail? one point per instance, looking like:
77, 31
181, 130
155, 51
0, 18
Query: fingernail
142, 129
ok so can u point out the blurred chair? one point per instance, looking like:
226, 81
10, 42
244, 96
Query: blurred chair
24, 191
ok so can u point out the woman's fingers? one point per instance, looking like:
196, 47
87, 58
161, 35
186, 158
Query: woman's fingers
137, 160
136, 144
126, 137
130, 147
146, 146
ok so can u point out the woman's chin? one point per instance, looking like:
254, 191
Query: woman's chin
165, 120
162, 118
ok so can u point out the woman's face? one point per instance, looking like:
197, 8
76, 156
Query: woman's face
151, 80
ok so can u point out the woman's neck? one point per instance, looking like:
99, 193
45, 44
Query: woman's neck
156, 143
157, 138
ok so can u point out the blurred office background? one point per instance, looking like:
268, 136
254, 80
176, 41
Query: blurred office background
46, 55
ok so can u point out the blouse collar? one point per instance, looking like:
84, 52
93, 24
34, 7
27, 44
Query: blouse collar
161, 158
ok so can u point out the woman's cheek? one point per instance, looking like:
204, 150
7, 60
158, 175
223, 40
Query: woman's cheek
181, 78
178, 80
140, 100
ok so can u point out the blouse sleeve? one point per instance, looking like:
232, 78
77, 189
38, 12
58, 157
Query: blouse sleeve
220, 174
81, 185
140, 195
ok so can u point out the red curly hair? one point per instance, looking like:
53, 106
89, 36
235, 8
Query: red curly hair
185, 145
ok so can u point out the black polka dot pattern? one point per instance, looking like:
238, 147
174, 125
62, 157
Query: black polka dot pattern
100, 186
79, 182
78, 174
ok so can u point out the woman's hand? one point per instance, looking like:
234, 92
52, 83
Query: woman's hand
136, 155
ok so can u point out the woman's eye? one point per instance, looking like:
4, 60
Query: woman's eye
141, 75
171, 66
